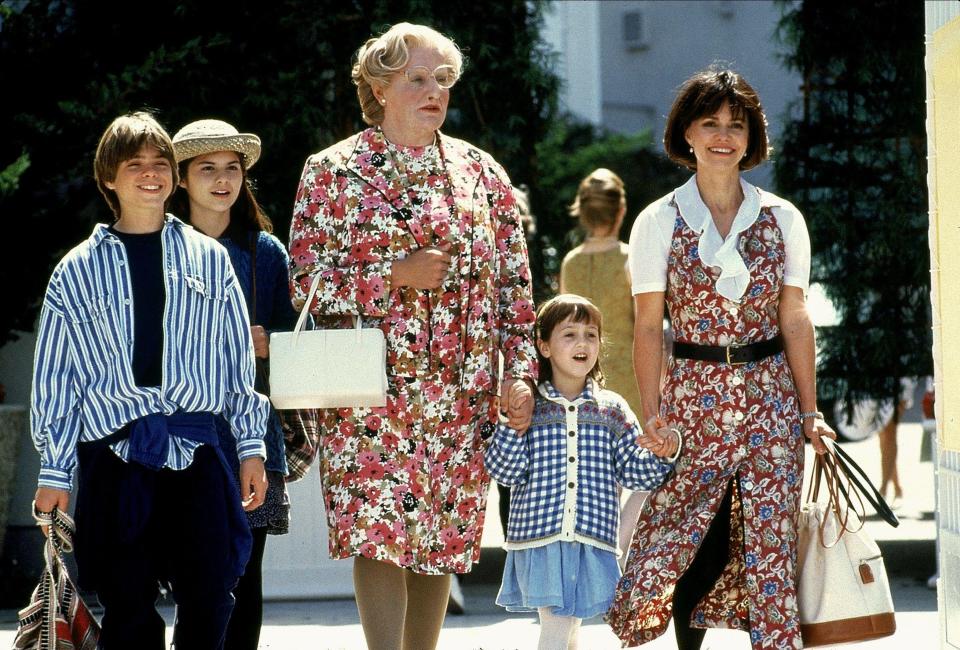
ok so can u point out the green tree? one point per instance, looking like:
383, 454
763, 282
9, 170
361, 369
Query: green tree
855, 162
280, 69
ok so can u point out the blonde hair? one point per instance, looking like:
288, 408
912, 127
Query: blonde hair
600, 198
381, 57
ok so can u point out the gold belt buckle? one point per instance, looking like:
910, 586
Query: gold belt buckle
729, 360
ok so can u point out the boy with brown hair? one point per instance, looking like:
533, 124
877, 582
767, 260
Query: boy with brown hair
143, 338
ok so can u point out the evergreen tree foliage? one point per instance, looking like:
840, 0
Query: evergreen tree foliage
279, 69
854, 161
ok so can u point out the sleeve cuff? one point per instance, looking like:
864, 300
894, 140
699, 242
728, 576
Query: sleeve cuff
251, 449
796, 281
649, 287
54, 477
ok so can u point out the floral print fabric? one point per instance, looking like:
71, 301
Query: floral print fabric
741, 424
405, 483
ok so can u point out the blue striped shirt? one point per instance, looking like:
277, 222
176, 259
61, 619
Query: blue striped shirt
83, 386
565, 469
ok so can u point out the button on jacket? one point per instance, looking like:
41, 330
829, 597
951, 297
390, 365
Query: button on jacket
83, 387
565, 469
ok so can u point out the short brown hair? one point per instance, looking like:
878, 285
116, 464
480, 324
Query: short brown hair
600, 198
704, 94
381, 57
555, 311
122, 140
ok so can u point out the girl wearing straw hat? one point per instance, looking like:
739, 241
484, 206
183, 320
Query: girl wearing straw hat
213, 159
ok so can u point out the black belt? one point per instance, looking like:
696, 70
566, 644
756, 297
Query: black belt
735, 355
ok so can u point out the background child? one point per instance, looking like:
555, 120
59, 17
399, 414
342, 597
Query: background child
564, 471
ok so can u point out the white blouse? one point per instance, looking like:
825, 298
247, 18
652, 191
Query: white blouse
653, 231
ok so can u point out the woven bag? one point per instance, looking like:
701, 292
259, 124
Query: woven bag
56, 618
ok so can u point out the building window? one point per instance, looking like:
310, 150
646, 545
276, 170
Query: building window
634, 34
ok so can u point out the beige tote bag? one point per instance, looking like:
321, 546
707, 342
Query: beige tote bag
843, 592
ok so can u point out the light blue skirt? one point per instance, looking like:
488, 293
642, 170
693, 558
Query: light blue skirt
574, 579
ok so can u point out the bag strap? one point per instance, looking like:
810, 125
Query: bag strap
301, 321
61, 528
825, 472
864, 488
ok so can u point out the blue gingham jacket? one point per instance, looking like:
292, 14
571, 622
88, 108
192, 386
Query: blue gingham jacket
83, 387
565, 469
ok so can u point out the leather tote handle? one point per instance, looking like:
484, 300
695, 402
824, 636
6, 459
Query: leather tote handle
858, 479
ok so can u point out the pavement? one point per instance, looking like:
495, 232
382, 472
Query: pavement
909, 554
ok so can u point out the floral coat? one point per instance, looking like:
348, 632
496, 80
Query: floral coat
405, 483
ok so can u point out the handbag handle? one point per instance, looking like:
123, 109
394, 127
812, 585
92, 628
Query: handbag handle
847, 486
824, 471
863, 486
61, 528
60, 531
301, 321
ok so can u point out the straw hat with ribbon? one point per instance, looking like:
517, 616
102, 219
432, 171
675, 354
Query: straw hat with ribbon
208, 136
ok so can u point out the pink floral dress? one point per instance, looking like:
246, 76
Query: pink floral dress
405, 484
740, 422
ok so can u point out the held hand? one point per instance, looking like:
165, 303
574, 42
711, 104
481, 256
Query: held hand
261, 344
425, 269
670, 442
651, 437
253, 483
49, 499
815, 429
520, 406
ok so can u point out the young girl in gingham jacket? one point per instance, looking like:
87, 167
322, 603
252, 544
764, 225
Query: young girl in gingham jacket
564, 470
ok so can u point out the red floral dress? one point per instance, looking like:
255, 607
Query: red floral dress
740, 422
405, 483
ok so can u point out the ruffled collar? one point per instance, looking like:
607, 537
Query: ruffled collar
714, 250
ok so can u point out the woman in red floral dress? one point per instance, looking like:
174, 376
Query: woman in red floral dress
716, 545
419, 233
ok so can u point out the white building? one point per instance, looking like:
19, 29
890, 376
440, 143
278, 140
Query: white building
622, 61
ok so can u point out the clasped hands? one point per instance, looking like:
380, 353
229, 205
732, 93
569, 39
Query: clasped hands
516, 403
661, 439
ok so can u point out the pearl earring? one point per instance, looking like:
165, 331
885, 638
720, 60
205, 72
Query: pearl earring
383, 102
691, 149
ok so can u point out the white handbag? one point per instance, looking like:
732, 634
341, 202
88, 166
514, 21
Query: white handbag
331, 368
842, 588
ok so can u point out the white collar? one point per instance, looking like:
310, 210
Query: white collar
713, 249
549, 391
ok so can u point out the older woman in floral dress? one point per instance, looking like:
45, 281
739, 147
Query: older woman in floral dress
418, 233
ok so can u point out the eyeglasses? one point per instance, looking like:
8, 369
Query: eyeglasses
445, 75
